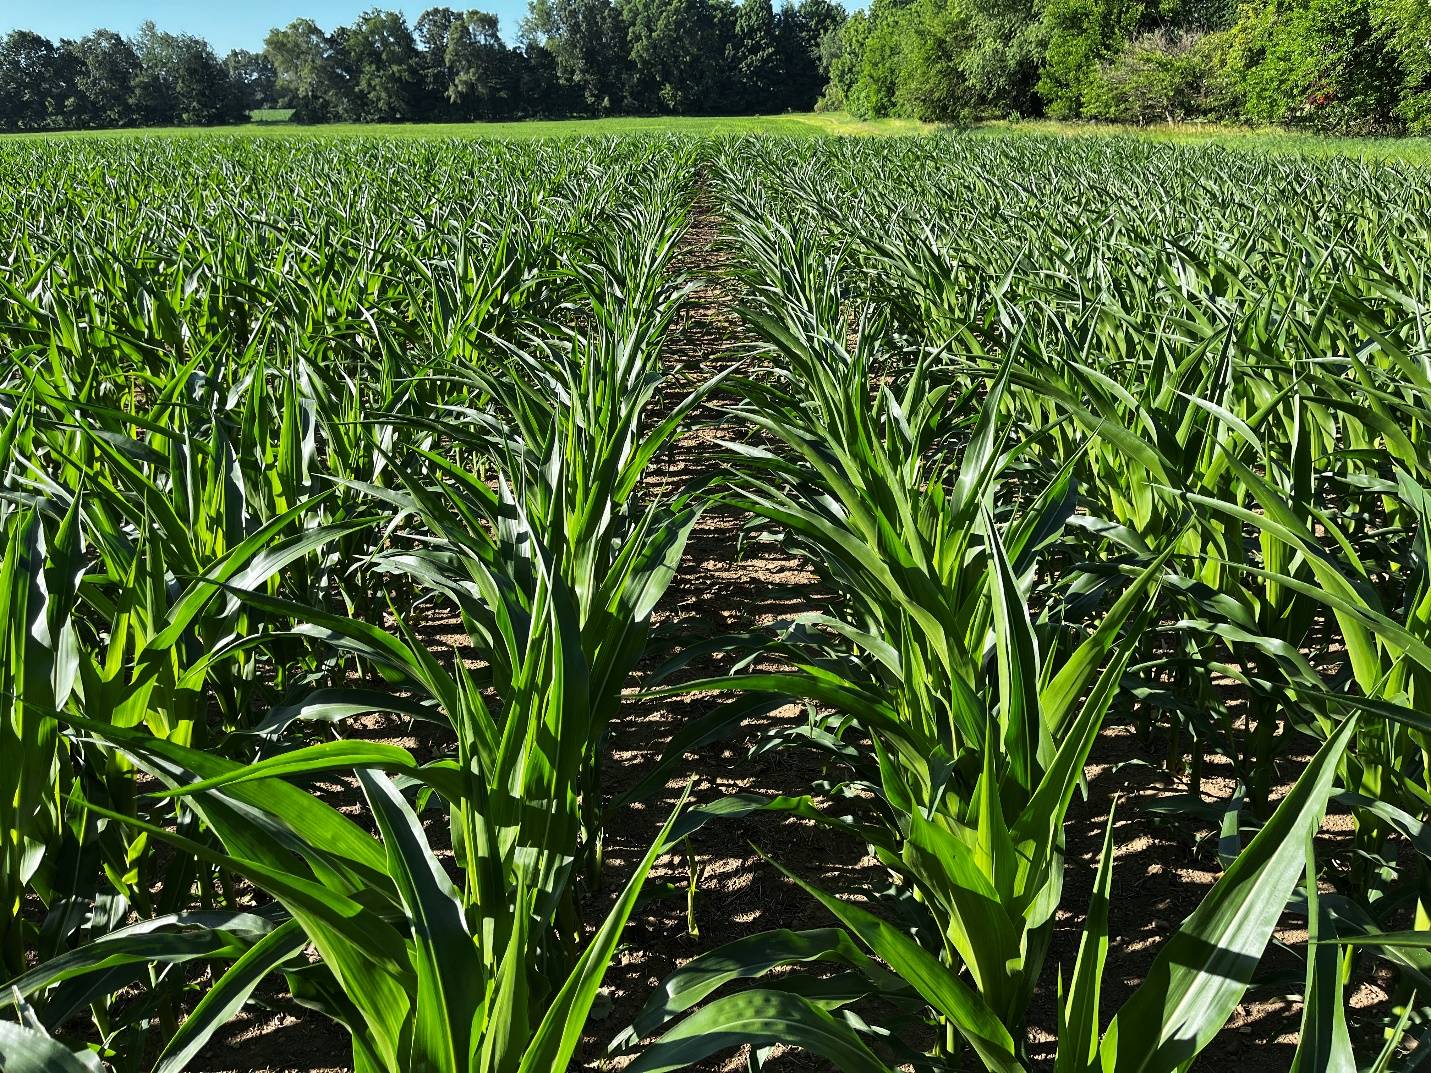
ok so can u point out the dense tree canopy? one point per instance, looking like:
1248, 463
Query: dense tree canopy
587, 41
254, 77
581, 57
106, 67
1336, 65
34, 80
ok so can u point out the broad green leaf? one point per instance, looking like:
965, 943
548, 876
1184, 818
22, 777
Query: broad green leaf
1203, 970
758, 1017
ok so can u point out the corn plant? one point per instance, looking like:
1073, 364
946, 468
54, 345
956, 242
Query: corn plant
1193, 986
37, 596
512, 795
425, 975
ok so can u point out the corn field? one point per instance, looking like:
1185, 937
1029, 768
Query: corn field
387, 530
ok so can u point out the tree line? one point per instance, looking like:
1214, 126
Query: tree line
1337, 66
574, 57
1356, 66
105, 80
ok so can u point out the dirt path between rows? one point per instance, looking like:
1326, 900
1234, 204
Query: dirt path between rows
726, 584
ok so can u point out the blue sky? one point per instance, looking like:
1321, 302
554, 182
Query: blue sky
225, 24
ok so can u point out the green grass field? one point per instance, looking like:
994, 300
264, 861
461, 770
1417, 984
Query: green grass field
1408, 150
274, 122
271, 122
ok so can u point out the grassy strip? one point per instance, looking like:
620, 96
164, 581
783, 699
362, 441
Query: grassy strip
272, 123
792, 124
1272, 140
